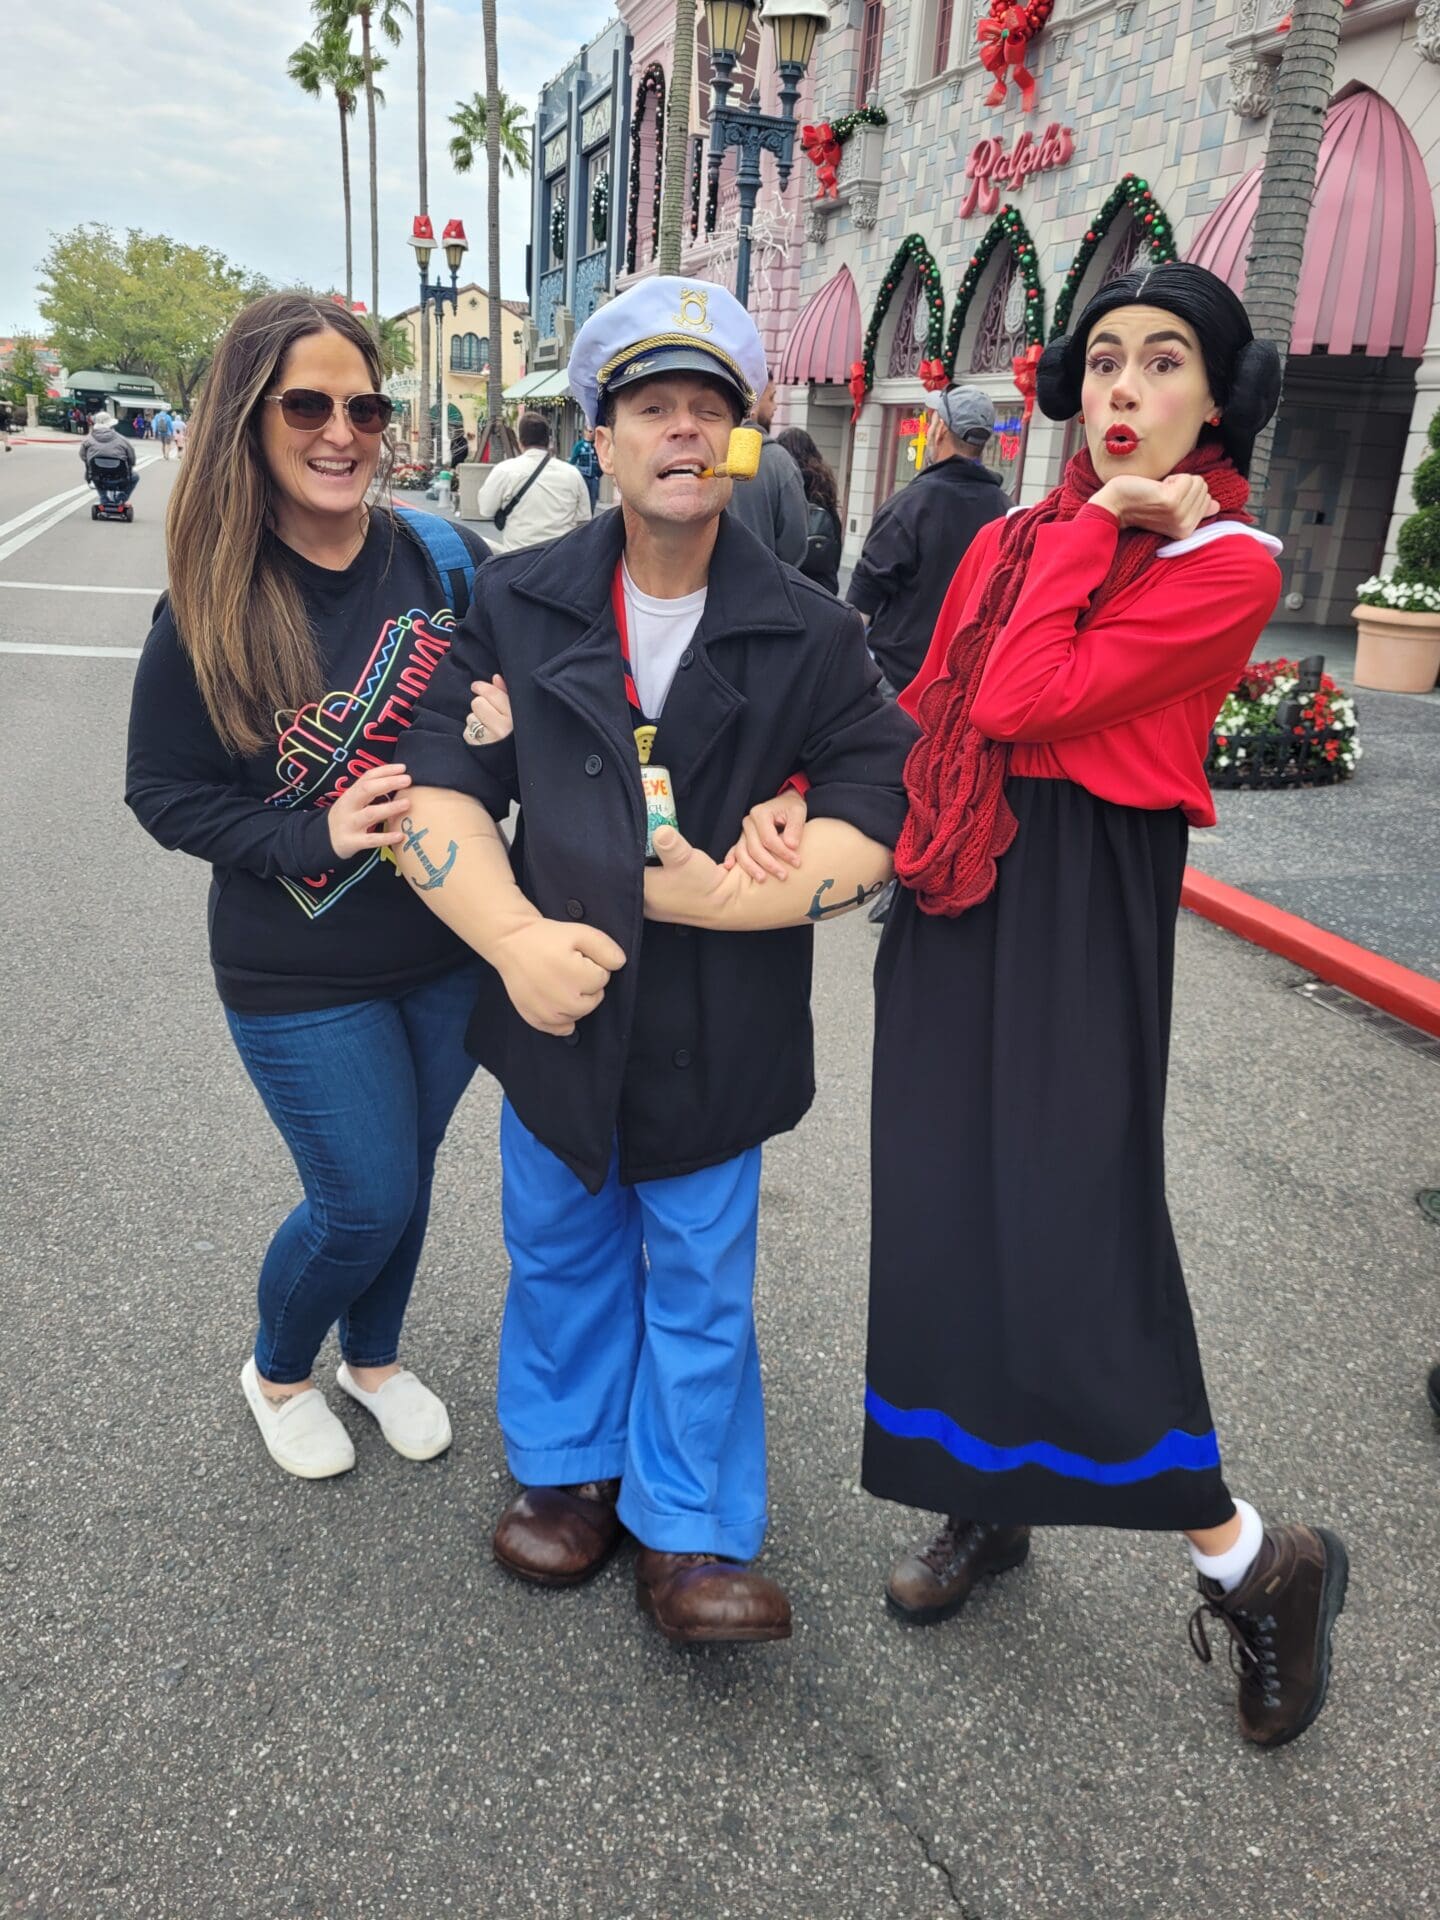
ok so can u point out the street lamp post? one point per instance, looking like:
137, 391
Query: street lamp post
435, 293
795, 25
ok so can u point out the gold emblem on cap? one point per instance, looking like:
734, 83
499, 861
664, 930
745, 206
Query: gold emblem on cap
695, 311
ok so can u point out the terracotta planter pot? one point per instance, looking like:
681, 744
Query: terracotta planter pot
1396, 652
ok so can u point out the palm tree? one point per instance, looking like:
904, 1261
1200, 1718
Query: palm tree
396, 353
1287, 187
494, 133
329, 64
677, 137
384, 15
424, 193
471, 123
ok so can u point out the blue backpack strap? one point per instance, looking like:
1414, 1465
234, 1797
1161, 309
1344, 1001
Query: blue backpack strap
448, 553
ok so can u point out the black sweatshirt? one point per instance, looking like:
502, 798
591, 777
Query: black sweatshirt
917, 539
292, 928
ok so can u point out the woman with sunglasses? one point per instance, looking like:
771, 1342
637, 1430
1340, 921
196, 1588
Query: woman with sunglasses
303, 621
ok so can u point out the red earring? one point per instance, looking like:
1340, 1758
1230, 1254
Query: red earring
1081, 419
1214, 419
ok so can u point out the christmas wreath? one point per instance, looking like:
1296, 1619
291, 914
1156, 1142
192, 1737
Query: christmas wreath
824, 143
600, 210
651, 81
1003, 35
1155, 231
913, 252
557, 229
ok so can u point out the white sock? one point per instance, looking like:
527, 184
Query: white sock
1229, 1569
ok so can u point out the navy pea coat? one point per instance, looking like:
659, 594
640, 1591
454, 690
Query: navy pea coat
702, 1046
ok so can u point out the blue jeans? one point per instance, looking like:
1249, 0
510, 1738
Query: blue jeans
362, 1096
628, 1345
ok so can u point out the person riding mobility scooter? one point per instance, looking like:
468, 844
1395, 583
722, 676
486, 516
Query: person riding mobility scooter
109, 464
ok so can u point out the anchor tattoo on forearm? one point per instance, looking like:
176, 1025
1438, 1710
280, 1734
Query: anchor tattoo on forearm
411, 844
815, 911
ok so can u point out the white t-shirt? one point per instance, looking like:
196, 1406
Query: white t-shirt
660, 631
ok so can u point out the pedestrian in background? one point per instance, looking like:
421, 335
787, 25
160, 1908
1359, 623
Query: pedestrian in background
6, 421
180, 433
921, 534
163, 429
586, 462
823, 533
533, 497
106, 441
346, 1000
772, 505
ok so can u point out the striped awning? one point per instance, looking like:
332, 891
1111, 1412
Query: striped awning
825, 340
1367, 282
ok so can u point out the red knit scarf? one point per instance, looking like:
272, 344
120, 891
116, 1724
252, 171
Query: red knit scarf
959, 822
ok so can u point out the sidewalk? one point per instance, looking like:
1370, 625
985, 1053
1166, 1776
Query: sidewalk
1361, 859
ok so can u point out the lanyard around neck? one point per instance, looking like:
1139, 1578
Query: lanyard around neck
617, 601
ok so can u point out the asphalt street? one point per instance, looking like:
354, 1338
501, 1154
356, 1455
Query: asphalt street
229, 1695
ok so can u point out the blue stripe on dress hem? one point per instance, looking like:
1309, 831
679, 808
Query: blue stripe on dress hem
1187, 1452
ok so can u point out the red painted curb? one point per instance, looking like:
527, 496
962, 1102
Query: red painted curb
1409, 996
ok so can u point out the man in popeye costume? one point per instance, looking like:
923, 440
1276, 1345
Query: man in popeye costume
646, 1008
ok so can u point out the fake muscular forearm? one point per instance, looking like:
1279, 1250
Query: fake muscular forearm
840, 870
453, 856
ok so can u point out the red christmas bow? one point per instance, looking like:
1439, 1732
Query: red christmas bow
933, 376
1002, 37
859, 387
822, 150
1024, 368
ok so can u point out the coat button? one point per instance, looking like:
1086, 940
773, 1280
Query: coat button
594, 765
681, 1057
575, 909
687, 658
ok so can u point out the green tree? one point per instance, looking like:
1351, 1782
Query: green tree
329, 64
142, 304
396, 353
382, 16
25, 373
471, 123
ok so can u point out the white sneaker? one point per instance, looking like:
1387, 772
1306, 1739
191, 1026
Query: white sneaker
411, 1417
302, 1436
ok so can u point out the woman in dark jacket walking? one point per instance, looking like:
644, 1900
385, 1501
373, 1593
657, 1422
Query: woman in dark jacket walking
824, 536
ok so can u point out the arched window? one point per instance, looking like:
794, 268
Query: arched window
468, 353
1002, 324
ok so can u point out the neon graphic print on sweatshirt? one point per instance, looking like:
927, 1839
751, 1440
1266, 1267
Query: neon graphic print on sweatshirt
330, 743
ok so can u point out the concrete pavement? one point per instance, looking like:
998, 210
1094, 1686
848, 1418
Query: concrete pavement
227, 1694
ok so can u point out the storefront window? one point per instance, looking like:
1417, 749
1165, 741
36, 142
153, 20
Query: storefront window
1005, 450
903, 428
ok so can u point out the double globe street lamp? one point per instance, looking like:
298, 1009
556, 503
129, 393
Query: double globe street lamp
436, 293
795, 25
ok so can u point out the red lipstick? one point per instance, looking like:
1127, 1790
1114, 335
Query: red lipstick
1121, 440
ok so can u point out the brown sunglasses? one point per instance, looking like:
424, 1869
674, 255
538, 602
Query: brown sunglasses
307, 409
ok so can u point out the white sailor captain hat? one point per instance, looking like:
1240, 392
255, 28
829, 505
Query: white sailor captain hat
667, 325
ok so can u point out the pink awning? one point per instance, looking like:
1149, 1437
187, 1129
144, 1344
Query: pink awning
1367, 283
825, 340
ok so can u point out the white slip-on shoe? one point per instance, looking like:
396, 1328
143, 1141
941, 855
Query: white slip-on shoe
411, 1417
302, 1436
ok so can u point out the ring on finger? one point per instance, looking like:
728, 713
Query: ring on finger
474, 731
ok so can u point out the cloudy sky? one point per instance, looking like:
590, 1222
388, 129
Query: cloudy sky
176, 116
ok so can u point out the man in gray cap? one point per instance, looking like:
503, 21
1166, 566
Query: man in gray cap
919, 536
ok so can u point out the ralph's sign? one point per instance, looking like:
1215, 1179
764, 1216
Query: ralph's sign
990, 166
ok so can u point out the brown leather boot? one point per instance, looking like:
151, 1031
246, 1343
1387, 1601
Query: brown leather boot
1279, 1621
695, 1597
936, 1580
559, 1536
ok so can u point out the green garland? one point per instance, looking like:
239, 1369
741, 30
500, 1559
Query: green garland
1155, 231
861, 117
600, 210
1007, 226
913, 252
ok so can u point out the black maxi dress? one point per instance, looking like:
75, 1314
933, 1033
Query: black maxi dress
1032, 1356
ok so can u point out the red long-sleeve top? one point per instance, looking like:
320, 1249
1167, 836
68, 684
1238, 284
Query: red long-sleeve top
1124, 706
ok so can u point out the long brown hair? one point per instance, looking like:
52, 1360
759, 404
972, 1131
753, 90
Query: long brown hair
236, 606
815, 474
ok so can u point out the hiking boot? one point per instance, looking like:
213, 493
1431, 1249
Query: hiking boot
1432, 1388
559, 1536
1279, 1620
937, 1580
698, 1598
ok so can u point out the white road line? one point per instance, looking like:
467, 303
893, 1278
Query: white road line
30, 525
86, 653
55, 586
